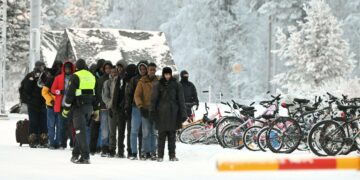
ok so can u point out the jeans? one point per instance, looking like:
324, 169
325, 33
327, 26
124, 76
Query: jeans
53, 127
149, 136
104, 126
135, 129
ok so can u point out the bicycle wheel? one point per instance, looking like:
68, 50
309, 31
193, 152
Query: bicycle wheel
232, 137
333, 137
284, 135
192, 134
261, 139
315, 140
250, 138
222, 124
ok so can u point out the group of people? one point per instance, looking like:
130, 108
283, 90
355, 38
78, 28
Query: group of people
94, 107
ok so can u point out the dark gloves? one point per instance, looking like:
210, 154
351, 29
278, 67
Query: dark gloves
144, 112
52, 103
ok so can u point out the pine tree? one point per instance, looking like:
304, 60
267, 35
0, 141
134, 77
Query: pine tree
315, 52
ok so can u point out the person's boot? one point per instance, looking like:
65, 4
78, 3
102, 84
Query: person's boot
153, 157
143, 157
112, 153
174, 158
33, 140
160, 159
82, 161
43, 141
120, 155
105, 151
133, 157
74, 159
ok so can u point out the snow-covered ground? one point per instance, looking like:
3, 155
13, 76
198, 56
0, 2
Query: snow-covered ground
196, 162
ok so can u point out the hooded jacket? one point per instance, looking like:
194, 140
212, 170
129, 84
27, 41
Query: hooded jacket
131, 86
100, 85
142, 95
58, 86
46, 89
119, 91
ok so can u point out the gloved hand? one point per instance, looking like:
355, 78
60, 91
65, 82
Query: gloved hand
52, 103
95, 115
144, 112
65, 112
197, 107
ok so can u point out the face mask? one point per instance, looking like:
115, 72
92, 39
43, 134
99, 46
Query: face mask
185, 78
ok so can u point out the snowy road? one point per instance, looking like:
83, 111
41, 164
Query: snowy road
196, 162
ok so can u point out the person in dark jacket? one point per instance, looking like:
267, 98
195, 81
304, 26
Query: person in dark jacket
81, 100
95, 140
104, 111
31, 95
132, 111
53, 121
131, 71
190, 94
117, 118
99, 68
168, 111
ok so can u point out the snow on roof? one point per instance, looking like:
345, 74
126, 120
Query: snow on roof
116, 44
50, 41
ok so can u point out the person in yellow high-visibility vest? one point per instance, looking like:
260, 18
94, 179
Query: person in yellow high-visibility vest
81, 100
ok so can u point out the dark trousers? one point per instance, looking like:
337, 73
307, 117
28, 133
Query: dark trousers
128, 128
94, 126
38, 121
117, 123
171, 137
81, 115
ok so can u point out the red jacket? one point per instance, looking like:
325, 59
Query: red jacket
58, 88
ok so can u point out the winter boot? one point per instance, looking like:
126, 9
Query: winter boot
33, 140
174, 158
133, 157
74, 159
82, 161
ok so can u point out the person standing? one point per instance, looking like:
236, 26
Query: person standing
142, 98
58, 88
81, 100
168, 111
134, 112
118, 121
108, 98
190, 94
31, 95
104, 112
131, 71
53, 121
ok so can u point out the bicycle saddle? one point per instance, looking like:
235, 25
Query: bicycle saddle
301, 101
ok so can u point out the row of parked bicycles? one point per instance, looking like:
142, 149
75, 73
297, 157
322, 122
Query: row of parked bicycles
327, 126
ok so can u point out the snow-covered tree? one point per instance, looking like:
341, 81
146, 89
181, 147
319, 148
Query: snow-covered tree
316, 53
